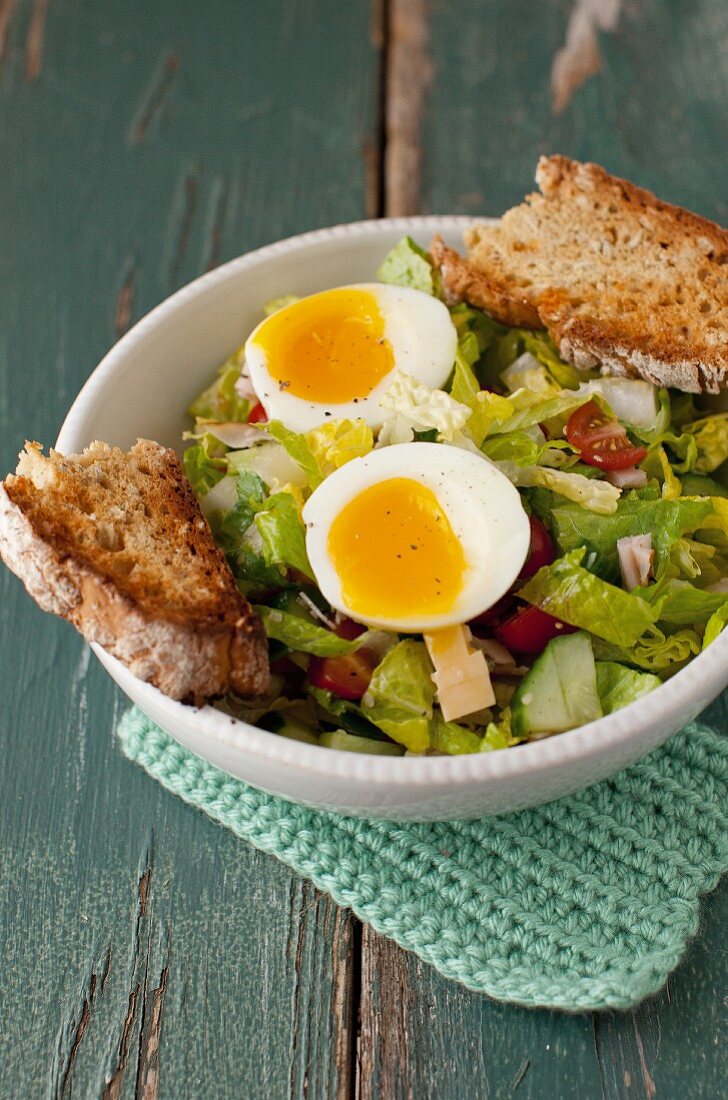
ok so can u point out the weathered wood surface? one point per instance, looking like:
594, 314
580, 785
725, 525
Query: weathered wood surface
144, 951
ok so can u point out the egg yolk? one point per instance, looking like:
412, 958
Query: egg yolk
328, 348
396, 553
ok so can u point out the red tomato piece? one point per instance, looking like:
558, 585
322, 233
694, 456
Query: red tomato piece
500, 609
603, 442
348, 628
541, 551
530, 630
257, 415
347, 676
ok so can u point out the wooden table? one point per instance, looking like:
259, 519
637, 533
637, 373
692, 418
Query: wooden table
144, 950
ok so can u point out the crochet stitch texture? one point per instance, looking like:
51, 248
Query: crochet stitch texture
586, 903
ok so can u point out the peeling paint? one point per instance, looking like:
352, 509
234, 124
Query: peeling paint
579, 58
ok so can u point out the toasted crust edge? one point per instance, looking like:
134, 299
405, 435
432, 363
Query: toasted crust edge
581, 342
190, 663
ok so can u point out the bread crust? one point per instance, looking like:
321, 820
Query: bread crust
192, 659
618, 277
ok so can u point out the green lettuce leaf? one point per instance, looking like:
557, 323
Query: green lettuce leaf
711, 440
569, 592
715, 624
498, 735
282, 531
415, 408
324, 449
592, 494
409, 265
221, 401
302, 635
618, 686
400, 696
655, 652
681, 603
665, 520
204, 465
452, 739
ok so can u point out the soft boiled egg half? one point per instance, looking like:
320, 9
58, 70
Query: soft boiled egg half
332, 354
416, 536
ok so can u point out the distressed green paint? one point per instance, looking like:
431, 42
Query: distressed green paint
157, 140
654, 115
154, 141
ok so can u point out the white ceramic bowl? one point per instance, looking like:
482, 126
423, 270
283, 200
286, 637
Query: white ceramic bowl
142, 388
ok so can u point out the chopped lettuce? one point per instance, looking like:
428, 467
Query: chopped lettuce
283, 534
711, 440
414, 407
352, 742
715, 624
324, 449
204, 465
400, 696
569, 592
618, 686
527, 373
665, 520
498, 735
656, 652
301, 634
221, 401
409, 265
681, 603
593, 495
451, 738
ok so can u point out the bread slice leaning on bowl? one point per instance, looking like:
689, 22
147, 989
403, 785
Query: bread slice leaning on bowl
620, 279
116, 543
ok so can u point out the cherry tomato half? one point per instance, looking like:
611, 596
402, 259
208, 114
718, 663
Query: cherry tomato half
541, 551
257, 415
347, 676
603, 442
348, 628
530, 630
495, 614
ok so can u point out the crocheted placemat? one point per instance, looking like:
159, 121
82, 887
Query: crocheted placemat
586, 903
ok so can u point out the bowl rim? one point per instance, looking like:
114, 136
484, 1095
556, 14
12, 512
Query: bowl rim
603, 735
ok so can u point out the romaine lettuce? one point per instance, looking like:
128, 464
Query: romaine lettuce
284, 537
204, 465
715, 624
569, 592
409, 265
665, 520
415, 407
221, 401
618, 686
400, 696
301, 634
324, 449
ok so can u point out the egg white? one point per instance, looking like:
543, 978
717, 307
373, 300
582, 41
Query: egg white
423, 340
484, 509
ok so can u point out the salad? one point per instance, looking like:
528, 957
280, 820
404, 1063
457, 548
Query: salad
455, 540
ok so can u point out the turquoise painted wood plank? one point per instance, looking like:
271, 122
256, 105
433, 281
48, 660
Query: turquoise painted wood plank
649, 111
145, 951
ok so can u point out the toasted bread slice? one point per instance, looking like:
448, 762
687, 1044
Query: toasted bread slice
619, 278
117, 544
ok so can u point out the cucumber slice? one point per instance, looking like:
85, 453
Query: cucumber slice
290, 728
560, 691
349, 742
270, 461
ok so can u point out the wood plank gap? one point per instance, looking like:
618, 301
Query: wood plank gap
409, 74
6, 10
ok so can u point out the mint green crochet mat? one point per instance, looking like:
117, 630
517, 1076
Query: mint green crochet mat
586, 903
